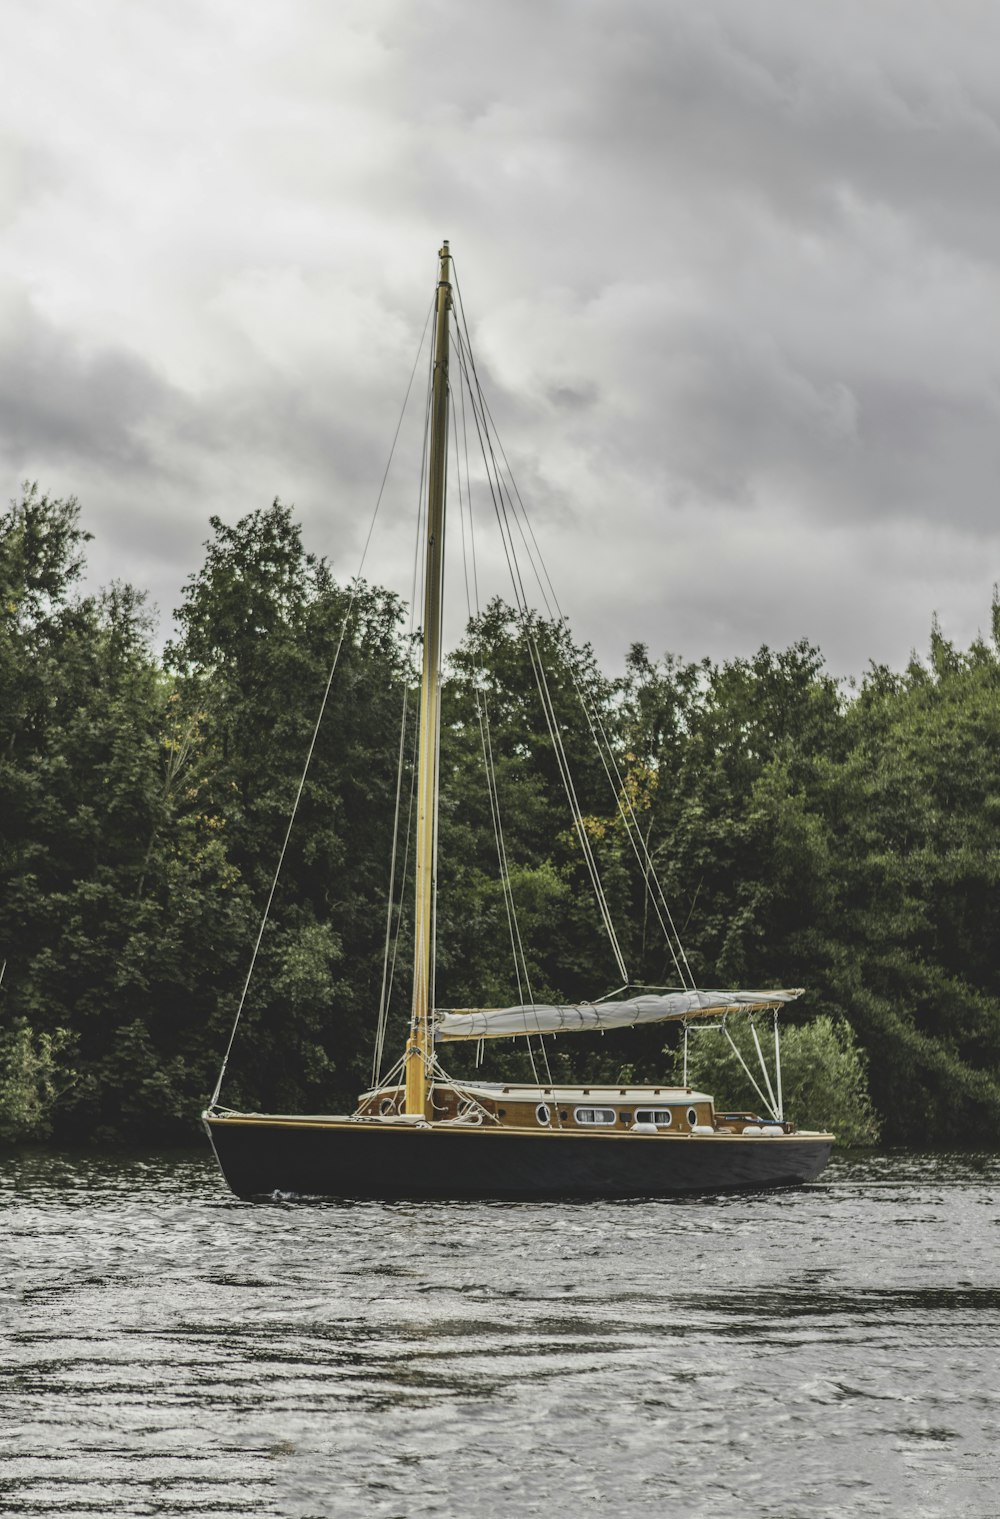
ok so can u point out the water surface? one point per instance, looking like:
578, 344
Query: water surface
172, 1351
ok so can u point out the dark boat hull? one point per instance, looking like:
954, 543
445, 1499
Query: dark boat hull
260, 1156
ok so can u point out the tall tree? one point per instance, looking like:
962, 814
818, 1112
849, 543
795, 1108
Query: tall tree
261, 625
98, 908
919, 859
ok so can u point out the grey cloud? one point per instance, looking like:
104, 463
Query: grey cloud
59, 399
731, 271
663, 133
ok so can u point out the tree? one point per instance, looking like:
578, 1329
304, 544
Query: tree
117, 902
261, 625
509, 672
919, 859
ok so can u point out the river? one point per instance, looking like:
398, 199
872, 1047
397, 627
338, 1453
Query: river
833, 1350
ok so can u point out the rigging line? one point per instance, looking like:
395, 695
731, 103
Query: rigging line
518, 955
468, 487
399, 908
383, 1006
534, 551
537, 561
420, 550
355, 593
417, 605
489, 427
394, 1070
500, 510
395, 436
392, 941
477, 673
493, 479
743, 1063
524, 525
511, 564
464, 503
585, 843
633, 832
482, 708
605, 750
547, 706
556, 739
525, 991
392, 907
576, 811
520, 959
480, 414
284, 846
641, 850
763, 1066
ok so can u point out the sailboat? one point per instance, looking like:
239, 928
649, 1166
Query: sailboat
421, 1134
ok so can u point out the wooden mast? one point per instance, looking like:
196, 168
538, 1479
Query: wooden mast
419, 1047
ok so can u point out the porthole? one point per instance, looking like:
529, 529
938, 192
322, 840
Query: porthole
692, 1117
596, 1117
386, 1105
542, 1113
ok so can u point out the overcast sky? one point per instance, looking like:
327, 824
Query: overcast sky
730, 267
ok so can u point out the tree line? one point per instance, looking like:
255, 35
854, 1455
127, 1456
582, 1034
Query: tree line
844, 838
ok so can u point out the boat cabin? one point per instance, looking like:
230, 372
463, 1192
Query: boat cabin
666, 1111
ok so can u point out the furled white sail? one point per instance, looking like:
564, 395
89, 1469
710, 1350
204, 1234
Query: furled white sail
543, 1018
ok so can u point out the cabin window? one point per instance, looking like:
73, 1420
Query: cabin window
542, 1113
386, 1105
692, 1116
598, 1117
662, 1117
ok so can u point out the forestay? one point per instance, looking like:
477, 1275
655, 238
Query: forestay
580, 1017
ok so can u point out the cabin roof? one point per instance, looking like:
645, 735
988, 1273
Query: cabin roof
615, 1095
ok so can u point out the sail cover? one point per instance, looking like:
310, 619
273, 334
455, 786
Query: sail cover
544, 1018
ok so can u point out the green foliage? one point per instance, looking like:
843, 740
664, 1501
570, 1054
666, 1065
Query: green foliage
119, 911
824, 1075
32, 1075
261, 624
845, 840
492, 701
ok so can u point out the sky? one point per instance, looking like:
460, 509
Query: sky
730, 269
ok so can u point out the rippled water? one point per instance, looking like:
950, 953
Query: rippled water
832, 1350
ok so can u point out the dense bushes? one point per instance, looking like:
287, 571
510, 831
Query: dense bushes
824, 1076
